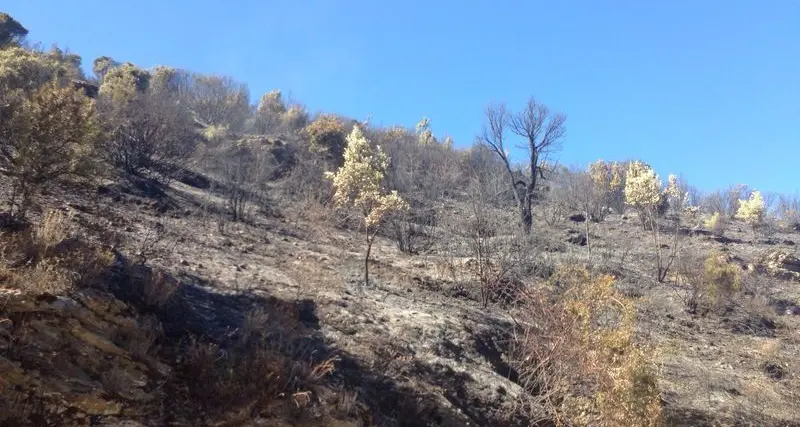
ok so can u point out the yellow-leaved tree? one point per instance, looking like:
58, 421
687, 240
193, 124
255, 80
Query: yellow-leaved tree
643, 191
358, 184
752, 210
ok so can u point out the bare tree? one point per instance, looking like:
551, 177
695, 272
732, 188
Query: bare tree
542, 132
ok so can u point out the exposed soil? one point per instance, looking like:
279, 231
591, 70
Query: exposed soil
413, 348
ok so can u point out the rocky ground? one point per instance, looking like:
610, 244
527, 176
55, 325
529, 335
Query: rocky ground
413, 348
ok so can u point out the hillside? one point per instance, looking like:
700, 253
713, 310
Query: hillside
412, 349
173, 255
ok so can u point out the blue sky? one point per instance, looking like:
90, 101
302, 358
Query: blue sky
708, 89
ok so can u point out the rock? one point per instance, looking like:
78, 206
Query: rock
578, 218
93, 405
95, 340
577, 239
781, 264
184, 262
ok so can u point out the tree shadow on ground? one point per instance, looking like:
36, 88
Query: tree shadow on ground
239, 356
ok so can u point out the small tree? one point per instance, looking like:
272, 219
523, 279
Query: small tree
26, 70
43, 137
359, 183
270, 111
608, 179
219, 101
752, 210
295, 118
424, 133
326, 136
643, 192
716, 224
169, 82
575, 350
101, 66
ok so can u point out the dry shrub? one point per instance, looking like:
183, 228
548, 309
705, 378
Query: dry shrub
270, 359
773, 359
53, 229
713, 283
716, 224
152, 288
44, 277
575, 354
140, 339
158, 289
47, 259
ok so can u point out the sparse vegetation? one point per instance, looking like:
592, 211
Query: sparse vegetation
542, 133
173, 254
46, 136
582, 332
752, 210
359, 184
715, 223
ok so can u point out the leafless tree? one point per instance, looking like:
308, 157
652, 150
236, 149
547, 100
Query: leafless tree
243, 171
541, 131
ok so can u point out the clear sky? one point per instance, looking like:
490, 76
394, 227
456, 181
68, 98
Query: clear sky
709, 89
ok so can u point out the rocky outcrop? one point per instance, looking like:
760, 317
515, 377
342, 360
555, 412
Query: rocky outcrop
73, 358
781, 264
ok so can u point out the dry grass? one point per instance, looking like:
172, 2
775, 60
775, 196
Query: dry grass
53, 229
48, 258
268, 361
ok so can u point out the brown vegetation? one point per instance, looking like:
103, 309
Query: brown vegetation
210, 275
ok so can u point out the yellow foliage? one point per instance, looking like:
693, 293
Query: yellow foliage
720, 276
326, 135
102, 65
752, 210
53, 229
673, 190
607, 178
396, 133
271, 103
448, 142
715, 223
295, 117
215, 133
123, 83
583, 356
358, 182
26, 70
165, 80
642, 186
